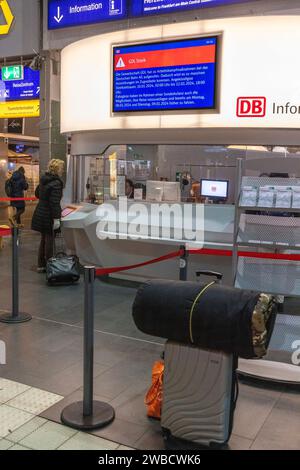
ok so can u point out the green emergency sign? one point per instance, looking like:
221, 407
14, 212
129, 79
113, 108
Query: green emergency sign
12, 72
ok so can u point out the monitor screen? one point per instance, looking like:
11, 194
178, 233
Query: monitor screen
164, 76
214, 188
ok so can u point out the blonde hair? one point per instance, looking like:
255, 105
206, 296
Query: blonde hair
56, 166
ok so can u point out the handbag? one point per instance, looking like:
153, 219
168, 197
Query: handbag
153, 399
62, 269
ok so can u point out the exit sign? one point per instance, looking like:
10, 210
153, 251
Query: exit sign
12, 72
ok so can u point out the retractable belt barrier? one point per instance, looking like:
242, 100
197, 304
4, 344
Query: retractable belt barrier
15, 316
183, 253
89, 414
5, 232
12, 199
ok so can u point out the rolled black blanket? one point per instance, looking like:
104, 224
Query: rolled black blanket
210, 316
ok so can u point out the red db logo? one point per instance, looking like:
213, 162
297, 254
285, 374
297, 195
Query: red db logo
251, 106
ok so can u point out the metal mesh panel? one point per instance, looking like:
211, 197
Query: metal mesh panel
272, 229
272, 276
282, 232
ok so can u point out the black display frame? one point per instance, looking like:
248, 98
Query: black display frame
211, 109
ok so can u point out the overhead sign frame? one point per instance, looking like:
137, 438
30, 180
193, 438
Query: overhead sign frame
68, 13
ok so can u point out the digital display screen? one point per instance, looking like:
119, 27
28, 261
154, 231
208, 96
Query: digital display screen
174, 75
159, 7
214, 188
26, 89
64, 13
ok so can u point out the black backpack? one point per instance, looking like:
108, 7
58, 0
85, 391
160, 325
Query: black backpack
9, 187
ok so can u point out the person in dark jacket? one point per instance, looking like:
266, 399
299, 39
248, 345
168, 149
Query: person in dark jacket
18, 186
46, 217
129, 188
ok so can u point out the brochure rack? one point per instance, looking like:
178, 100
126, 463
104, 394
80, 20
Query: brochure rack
267, 220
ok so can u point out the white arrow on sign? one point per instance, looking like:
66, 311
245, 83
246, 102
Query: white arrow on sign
59, 17
6, 74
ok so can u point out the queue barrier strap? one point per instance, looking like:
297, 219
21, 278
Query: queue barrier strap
4, 232
105, 271
246, 254
202, 251
12, 199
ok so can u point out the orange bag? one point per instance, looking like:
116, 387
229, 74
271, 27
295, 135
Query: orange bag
153, 399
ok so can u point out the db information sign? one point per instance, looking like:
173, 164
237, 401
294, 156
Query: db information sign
251, 106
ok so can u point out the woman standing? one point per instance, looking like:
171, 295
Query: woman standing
18, 186
46, 217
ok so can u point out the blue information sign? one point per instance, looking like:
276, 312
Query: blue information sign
159, 7
26, 89
63, 13
174, 75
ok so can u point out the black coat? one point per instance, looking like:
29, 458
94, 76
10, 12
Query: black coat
19, 185
49, 192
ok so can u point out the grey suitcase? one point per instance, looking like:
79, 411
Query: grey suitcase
199, 396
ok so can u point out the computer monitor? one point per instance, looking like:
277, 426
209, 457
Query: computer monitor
214, 189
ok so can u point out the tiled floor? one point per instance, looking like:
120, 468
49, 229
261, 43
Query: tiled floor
21, 428
46, 354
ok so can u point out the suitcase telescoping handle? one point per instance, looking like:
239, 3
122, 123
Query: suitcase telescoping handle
218, 276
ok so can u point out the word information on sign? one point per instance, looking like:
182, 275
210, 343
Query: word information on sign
26, 88
177, 75
80, 12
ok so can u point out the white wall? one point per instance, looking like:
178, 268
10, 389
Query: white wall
259, 58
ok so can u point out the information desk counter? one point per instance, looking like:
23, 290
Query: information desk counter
84, 236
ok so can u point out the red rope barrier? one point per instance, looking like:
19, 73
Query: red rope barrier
8, 199
246, 254
210, 252
104, 271
4, 232
202, 251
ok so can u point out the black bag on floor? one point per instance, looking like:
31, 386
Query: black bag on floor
62, 269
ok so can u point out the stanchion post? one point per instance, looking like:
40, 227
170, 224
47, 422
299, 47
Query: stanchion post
15, 273
183, 263
15, 316
88, 414
88, 354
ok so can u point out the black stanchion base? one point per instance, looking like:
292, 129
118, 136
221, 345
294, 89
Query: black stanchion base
7, 317
103, 414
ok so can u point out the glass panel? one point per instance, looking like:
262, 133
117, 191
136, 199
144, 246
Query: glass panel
187, 165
